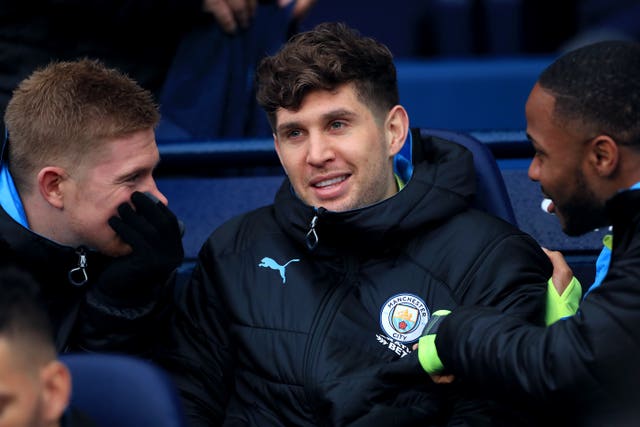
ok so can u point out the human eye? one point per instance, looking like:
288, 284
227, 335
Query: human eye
538, 152
294, 133
291, 135
133, 177
130, 179
337, 125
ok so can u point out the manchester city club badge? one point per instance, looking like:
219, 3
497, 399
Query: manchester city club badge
403, 317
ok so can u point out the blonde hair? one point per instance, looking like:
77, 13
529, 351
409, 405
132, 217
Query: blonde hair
66, 110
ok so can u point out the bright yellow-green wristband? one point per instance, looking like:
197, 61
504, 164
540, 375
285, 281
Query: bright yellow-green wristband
559, 306
428, 355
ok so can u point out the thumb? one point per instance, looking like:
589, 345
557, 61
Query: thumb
562, 273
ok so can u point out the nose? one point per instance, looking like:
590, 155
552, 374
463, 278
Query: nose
319, 151
534, 170
153, 189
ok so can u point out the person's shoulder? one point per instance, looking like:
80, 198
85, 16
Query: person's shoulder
234, 232
484, 222
255, 218
483, 229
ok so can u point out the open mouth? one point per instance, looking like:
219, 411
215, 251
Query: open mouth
548, 206
329, 182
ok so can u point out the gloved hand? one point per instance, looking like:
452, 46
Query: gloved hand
427, 352
154, 234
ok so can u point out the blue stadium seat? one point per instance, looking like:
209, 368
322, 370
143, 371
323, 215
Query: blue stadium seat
117, 390
203, 202
491, 191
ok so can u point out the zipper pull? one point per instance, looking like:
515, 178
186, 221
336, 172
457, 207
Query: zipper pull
312, 236
78, 276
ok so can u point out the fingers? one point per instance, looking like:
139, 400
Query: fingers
132, 228
443, 379
231, 13
562, 273
149, 223
156, 213
436, 378
301, 9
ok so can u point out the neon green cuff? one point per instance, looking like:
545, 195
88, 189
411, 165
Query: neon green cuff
428, 355
559, 306
427, 352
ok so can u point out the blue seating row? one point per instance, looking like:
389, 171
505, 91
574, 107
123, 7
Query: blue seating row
468, 94
462, 94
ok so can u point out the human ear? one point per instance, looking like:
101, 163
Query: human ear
50, 180
604, 155
396, 128
56, 381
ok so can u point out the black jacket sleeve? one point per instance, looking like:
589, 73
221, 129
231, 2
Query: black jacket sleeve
198, 352
108, 325
589, 350
511, 277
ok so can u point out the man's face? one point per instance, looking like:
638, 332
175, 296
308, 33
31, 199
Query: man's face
559, 165
335, 152
21, 391
103, 182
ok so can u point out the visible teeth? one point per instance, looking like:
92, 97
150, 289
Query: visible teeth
545, 205
330, 181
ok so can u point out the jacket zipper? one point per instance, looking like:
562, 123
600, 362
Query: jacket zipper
78, 275
325, 314
311, 238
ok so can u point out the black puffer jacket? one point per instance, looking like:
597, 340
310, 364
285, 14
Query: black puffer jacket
273, 333
82, 318
586, 365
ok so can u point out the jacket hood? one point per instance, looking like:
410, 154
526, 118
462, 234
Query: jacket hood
442, 185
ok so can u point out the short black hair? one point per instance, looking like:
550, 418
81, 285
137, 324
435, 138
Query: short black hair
22, 311
598, 86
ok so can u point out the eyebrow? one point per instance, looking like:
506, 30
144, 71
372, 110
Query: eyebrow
532, 140
137, 171
327, 117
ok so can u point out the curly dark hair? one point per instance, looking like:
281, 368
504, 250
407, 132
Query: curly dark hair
598, 87
329, 55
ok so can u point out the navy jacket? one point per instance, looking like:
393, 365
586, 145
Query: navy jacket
587, 364
271, 332
82, 318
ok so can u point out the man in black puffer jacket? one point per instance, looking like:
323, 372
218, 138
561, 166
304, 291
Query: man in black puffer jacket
304, 312
80, 154
583, 117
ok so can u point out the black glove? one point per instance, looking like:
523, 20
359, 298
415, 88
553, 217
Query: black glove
155, 235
